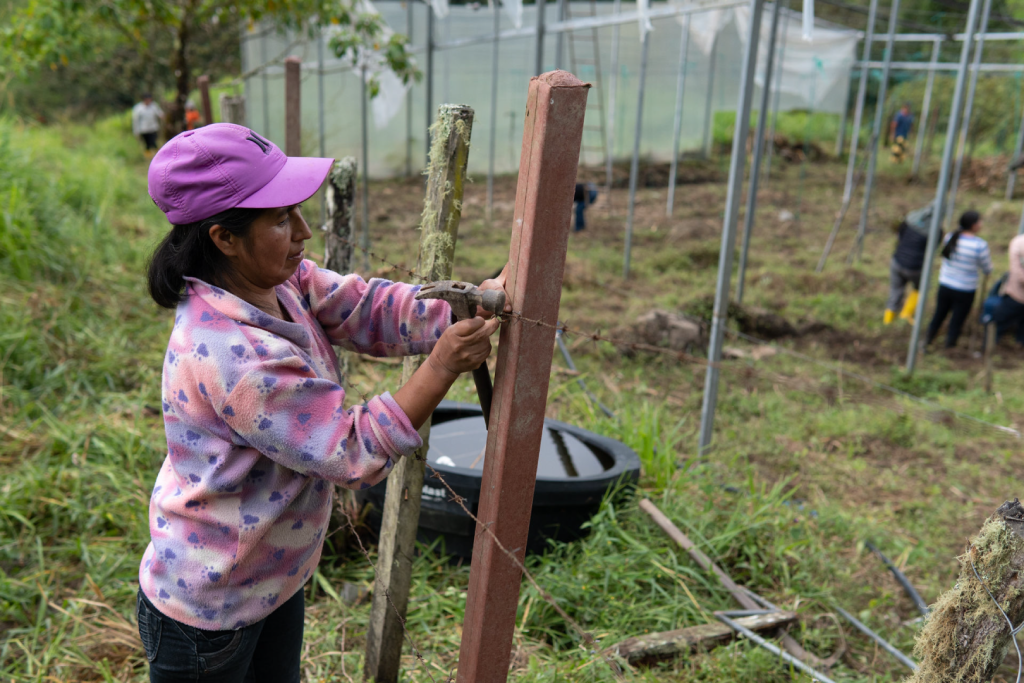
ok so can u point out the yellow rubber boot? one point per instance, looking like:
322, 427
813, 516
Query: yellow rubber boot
888, 317
909, 307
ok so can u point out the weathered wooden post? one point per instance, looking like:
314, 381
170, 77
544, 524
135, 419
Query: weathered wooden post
232, 108
204, 95
967, 636
552, 134
442, 211
341, 233
293, 106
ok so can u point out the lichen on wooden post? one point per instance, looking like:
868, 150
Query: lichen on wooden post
966, 636
439, 227
341, 195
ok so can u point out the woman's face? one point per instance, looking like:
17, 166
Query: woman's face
273, 250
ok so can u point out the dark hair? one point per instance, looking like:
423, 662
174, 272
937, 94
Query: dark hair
189, 251
147, 95
968, 219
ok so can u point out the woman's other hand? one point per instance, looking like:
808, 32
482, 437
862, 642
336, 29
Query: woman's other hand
464, 346
496, 283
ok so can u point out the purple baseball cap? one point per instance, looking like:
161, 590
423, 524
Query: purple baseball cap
201, 172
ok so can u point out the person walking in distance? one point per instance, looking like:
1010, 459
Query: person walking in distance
146, 118
584, 195
906, 264
899, 132
258, 428
963, 255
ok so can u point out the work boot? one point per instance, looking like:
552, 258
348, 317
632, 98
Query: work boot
909, 307
888, 317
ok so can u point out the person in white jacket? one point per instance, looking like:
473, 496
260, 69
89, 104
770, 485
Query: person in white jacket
146, 117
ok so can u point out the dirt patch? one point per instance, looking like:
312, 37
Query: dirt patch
690, 171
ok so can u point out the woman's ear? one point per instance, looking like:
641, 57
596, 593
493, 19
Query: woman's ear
228, 243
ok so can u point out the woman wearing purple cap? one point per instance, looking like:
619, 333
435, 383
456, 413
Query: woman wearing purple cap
257, 431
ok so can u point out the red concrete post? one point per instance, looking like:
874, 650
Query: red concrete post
204, 94
293, 107
552, 134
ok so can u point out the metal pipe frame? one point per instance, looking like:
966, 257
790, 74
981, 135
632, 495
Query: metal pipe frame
777, 98
876, 136
560, 37
940, 192
266, 87
494, 114
906, 661
726, 618
709, 109
965, 126
719, 317
926, 106
366, 173
755, 163
408, 97
844, 118
613, 81
539, 65
430, 82
677, 126
1011, 180
946, 66
858, 112
634, 167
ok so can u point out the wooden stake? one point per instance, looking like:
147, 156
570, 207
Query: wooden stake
449, 153
293, 107
232, 108
552, 134
204, 94
990, 349
341, 231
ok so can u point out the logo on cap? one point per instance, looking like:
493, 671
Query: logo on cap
260, 142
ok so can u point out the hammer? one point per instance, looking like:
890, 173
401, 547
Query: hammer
464, 297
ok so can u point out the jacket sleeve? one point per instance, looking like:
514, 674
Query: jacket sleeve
378, 318
985, 260
300, 421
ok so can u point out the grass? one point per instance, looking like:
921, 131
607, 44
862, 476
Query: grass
807, 464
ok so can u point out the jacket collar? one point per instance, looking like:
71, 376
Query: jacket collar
243, 312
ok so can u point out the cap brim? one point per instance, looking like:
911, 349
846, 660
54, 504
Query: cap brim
296, 182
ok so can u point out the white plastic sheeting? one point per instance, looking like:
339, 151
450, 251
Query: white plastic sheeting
815, 75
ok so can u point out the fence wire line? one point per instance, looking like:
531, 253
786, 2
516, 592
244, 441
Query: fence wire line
597, 336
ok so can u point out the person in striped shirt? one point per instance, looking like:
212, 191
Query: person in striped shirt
963, 255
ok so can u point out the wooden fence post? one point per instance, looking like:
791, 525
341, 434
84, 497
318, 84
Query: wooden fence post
232, 108
341, 233
552, 134
204, 95
293, 106
449, 153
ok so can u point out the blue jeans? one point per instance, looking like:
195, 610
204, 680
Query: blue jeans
1008, 316
268, 650
581, 207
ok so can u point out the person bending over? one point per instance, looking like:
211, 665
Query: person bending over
254, 411
906, 264
963, 255
1009, 316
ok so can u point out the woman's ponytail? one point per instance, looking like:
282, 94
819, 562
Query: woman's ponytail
967, 221
188, 251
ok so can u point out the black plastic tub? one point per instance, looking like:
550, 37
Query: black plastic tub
575, 470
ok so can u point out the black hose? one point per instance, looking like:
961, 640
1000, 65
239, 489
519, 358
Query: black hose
915, 597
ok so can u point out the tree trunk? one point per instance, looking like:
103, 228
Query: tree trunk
174, 122
966, 637
341, 234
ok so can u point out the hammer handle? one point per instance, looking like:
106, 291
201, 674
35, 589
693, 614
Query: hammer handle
484, 389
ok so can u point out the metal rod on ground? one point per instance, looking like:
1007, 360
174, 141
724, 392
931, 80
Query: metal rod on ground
709, 109
552, 135
843, 119
408, 95
736, 165
494, 114
203, 82
842, 214
965, 125
613, 80
912, 593
724, 617
439, 234
366, 174
539, 62
292, 107
858, 112
990, 349
1011, 179
925, 107
778, 93
429, 79
266, 85
906, 661
634, 167
869, 181
677, 129
755, 162
579, 380
940, 191
339, 219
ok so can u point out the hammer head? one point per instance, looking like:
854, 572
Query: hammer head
464, 297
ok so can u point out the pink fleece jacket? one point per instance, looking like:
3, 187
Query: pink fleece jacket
257, 433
